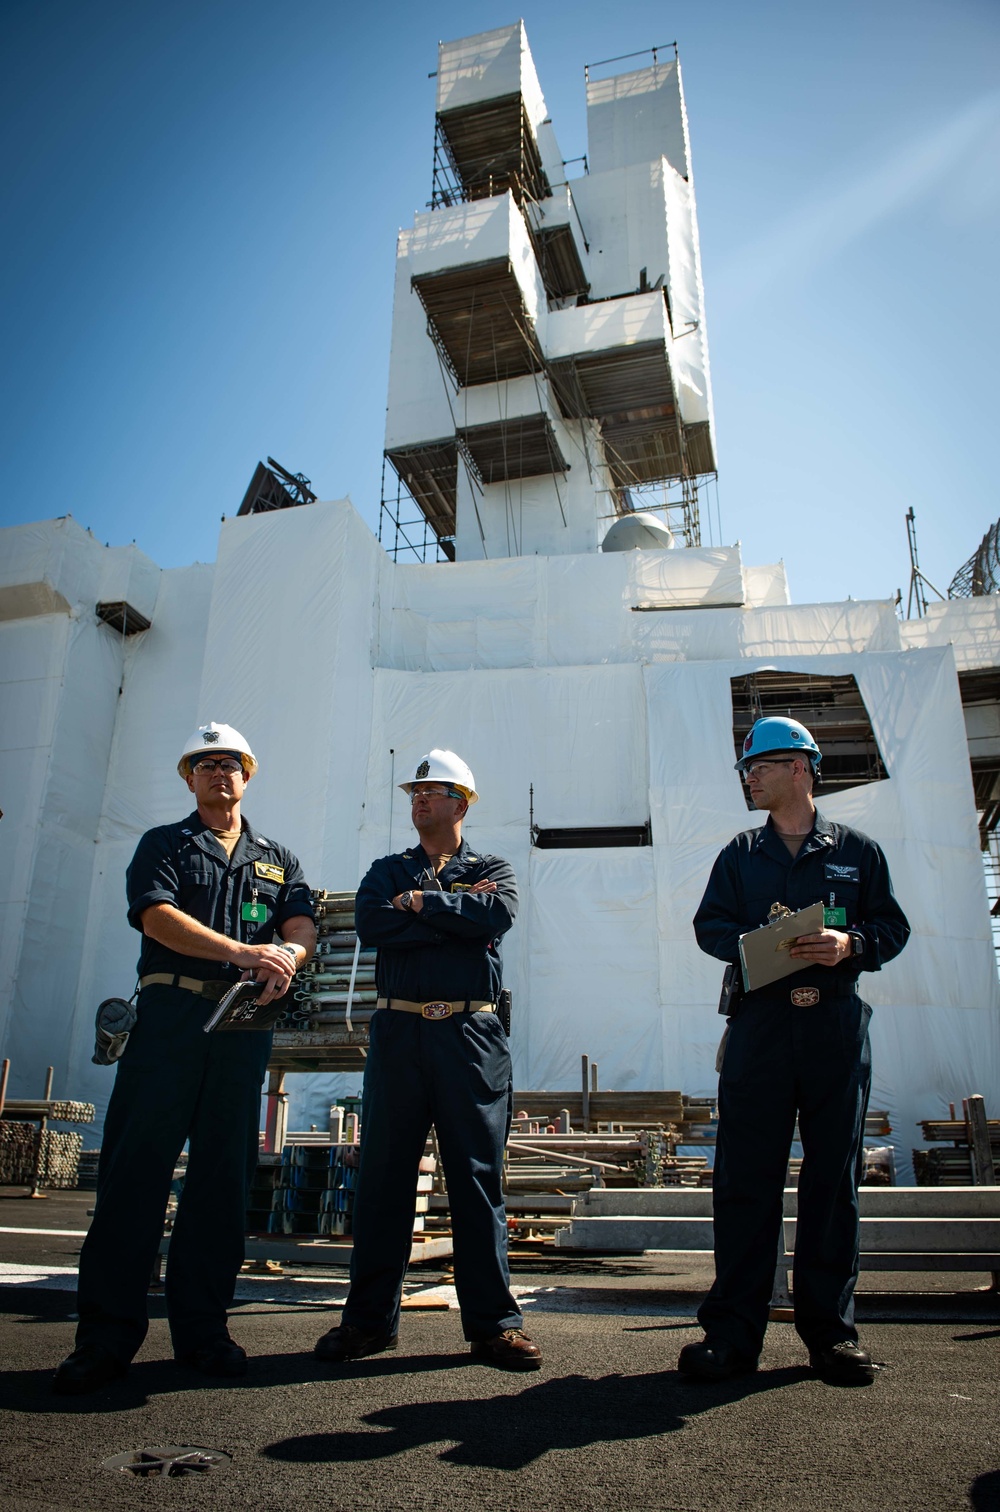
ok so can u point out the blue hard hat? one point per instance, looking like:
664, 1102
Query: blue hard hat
778, 734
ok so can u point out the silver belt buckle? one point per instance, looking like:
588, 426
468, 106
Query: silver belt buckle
436, 1011
805, 997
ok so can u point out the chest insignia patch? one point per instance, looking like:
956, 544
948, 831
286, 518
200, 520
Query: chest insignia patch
460, 887
268, 872
838, 873
805, 997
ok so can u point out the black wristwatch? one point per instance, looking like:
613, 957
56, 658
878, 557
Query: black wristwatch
405, 899
857, 942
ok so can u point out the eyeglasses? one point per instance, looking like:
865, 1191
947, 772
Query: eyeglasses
436, 793
224, 763
757, 766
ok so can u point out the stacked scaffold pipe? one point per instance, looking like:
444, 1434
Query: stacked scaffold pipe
334, 995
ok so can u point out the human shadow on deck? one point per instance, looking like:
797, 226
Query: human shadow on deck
984, 1493
508, 1432
30, 1391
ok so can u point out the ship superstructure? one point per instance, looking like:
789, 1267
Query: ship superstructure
549, 361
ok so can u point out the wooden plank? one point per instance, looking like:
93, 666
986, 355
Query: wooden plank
604, 1107
978, 1135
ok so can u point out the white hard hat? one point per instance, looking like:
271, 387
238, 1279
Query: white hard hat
446, 767
210, 738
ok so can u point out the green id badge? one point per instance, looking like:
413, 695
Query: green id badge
835, 918
253, 913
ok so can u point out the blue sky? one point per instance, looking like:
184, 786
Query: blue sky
200, 226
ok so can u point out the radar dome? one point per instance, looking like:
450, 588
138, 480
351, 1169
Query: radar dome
637, 532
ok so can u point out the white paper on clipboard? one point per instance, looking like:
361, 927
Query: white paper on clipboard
764, 953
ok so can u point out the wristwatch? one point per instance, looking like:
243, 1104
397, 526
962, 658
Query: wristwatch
405, 899
857, 942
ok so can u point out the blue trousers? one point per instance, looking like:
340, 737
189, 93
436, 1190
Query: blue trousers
174, 1083
455, 1074
780, 1061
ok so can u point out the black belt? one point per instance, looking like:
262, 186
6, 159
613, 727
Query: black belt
808, 996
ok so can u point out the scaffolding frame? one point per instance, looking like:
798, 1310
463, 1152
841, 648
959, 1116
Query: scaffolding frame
680, 512
411, 538
477, 154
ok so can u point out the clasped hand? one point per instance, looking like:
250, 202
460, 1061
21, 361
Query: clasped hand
271, 965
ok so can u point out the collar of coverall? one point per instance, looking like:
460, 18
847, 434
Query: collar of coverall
253, 844
820, 835
417, 855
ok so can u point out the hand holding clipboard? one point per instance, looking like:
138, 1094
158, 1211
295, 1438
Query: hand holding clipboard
765, 954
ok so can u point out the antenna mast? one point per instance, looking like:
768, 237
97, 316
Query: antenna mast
918, 580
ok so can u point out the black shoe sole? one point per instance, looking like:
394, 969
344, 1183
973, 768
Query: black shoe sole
221, 1372
355, 1354
68, 1386
716, 1375
843, 1373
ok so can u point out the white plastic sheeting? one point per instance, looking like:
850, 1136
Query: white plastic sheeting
288, 662
578, 610
488, 66
60, 673
633, 117
700, 578
970, 625
592, 983
342, 669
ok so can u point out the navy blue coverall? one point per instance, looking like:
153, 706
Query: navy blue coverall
781, 1060
453, 1072
176, 1083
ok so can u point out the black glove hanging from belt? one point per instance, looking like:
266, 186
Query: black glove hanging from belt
116, 1018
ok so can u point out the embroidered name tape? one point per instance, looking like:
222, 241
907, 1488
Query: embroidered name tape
838, 873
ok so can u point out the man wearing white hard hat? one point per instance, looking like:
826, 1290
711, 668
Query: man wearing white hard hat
795, 1048
438, 1055
214, 901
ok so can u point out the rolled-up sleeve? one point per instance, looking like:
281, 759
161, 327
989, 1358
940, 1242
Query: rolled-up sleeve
151, 876
295, 898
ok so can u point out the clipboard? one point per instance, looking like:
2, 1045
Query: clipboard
764, 953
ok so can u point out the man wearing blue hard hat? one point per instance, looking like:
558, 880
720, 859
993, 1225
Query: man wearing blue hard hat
797, 1047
